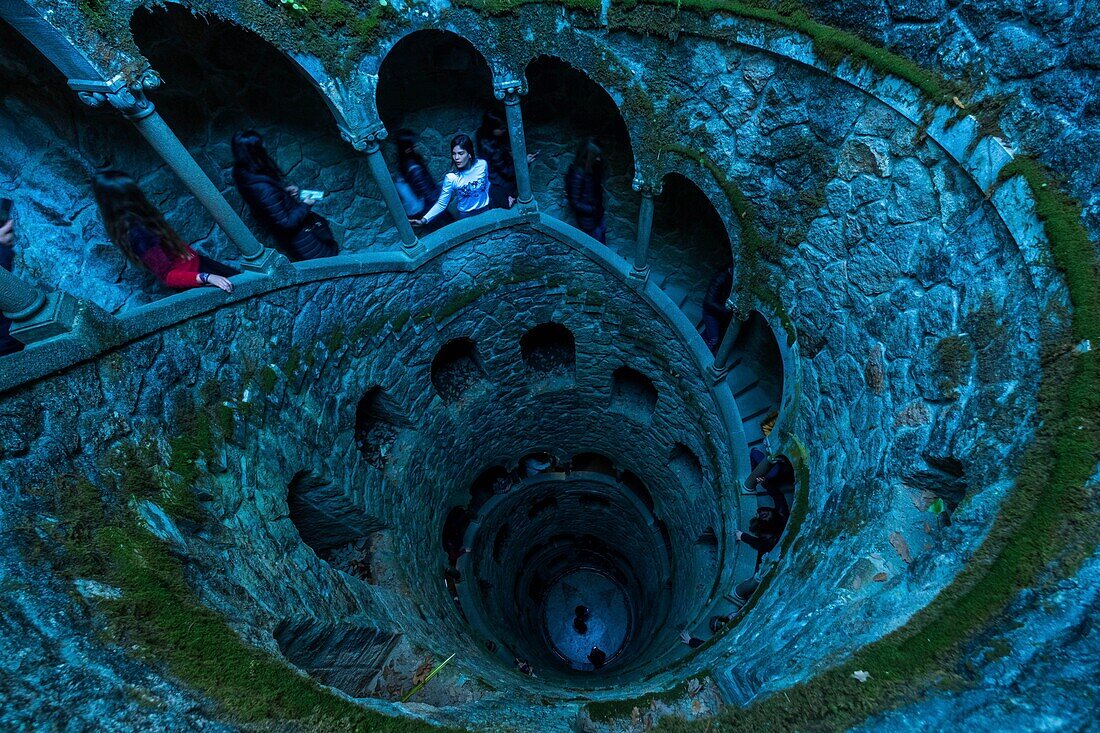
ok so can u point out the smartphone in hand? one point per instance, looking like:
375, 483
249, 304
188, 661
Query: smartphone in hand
311, 197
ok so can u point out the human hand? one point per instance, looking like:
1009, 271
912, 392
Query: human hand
7, 233
685, 637
737, 534
531, 156
293, 190
220, 282
759, 479
416, 222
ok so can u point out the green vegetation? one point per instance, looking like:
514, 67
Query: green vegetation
611, 709
1045, 525
99, 536
953, 355
508, 7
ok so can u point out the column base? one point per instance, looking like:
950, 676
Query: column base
413, 249
640, 275
54, 318
717, 375
268, 261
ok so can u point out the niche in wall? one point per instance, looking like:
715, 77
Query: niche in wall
686, 467
378, 421
633, 395
336, 529
549, 350
457, 369
345, 656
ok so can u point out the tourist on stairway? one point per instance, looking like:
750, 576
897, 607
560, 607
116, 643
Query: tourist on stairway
299, 232
140, 231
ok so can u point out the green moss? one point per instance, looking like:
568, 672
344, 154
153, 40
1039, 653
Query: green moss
953, 356
293, 361
334, 340
266, 378
509, 7
159, 618
614, 709
1044, 523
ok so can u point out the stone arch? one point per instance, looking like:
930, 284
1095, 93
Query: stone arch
313, 74
454, 81
549, 349
221, 77
633, 395
690, 243
756, 377
378, 421
325, 516
456, 368
563, 107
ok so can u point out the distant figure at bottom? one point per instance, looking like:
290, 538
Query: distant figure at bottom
597, 657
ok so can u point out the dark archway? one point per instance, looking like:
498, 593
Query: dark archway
756, 377
436, 84
690, 243
549, 349
563, 107
456, 369
220, 78
633, 395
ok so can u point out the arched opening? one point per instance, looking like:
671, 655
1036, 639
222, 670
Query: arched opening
56, 144
685, 465
756, 377
220, 78
549, 350
496, 480
690, 244
378, 420
633, 395
453, 534
339, 531
435, 84
563, 108
456, 369
345, 656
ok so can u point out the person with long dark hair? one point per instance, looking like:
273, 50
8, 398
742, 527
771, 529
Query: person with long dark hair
299, 232
467, 182
495, 147
139, 230
584, 190
413, 169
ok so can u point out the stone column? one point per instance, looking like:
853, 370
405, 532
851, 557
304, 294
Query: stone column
132, 102
721, 364
369, 144
510, 92
645, 227
35, 315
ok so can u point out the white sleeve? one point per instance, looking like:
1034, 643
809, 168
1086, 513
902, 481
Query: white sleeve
444, 198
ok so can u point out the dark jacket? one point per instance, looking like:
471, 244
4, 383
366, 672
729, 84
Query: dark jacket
502, 171
420, 181
8, 343
584, 192
718, 292
281, 214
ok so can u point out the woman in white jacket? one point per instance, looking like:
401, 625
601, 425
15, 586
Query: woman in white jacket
467, 181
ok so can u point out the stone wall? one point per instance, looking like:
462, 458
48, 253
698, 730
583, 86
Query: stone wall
1039, 59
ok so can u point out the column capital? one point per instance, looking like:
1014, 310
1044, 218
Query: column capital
127, 96
510, 91
646, 187
365, 141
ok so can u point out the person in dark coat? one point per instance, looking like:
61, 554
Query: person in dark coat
584, 190
299, 233
766, 527
413, 169
716, 317
495, 148
8, 343
598, 657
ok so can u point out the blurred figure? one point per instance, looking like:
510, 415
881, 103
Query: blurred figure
299, 232
139, 230
495, 147
584, 190
8, 343
716, 316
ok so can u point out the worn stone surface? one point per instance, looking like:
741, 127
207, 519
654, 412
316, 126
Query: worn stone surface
918, 320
